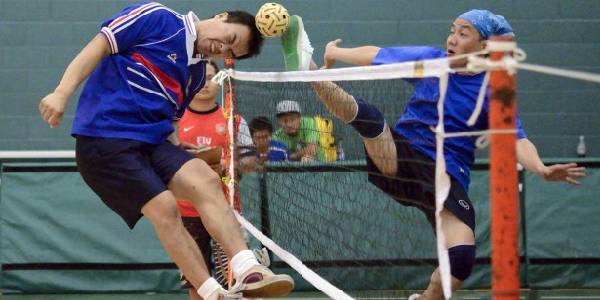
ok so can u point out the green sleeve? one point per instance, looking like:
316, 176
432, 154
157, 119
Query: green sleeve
277, 134
311, 134
282, 137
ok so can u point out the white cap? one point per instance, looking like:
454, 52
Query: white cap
287, 106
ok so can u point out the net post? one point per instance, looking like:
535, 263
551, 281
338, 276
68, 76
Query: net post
503, 182
229, 109
231, 173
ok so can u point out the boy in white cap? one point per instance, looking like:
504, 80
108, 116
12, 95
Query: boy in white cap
298, 133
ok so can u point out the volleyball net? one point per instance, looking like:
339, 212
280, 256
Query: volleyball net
323, 219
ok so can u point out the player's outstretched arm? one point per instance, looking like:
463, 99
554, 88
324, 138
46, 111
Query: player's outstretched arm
53, 105
528, 156
359, 56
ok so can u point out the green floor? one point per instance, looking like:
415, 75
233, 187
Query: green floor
380, 295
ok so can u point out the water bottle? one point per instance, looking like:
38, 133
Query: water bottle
581, 147
340, 151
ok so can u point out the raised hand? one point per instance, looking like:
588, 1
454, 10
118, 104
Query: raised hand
329, 56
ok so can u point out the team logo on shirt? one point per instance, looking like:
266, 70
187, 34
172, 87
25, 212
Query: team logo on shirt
464, 204
204, 141
172, 57
220, 128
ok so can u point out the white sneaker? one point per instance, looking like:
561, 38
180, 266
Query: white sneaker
223, 294
260, 282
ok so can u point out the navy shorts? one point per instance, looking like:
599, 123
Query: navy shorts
126, 174
414, 184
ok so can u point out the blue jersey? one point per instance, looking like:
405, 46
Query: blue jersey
147, 81
277, 151
421, 112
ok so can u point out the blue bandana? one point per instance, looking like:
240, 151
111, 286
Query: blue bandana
487, 23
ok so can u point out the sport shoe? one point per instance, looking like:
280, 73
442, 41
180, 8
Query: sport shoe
297, 51
227, 295
259, 281
414, 297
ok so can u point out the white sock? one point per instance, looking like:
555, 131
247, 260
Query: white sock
242, 262
208, 290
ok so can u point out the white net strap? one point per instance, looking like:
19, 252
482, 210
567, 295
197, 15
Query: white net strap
480, 100
442, 189
414, 69
306, 273
586, 76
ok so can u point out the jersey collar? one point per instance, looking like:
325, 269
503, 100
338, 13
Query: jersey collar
190, 37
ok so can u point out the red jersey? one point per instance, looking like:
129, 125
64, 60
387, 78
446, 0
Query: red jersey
207, 129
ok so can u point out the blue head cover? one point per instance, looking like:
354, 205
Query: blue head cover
487, 23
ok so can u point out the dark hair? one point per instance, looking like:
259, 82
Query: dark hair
214, 64
256, 38
260, 123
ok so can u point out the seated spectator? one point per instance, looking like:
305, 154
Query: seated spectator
267, 149
298, 133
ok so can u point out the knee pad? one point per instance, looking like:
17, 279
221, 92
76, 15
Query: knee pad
462, 260
369, 121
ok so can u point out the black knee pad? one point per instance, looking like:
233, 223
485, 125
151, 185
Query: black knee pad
369, 121
462, 260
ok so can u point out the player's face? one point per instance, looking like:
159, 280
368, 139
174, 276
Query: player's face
463, 39
290, 122
261, 138
223, 40
209, 91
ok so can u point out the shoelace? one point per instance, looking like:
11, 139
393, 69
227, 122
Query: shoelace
262, 256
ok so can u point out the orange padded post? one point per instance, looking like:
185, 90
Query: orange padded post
503, 183
230, 113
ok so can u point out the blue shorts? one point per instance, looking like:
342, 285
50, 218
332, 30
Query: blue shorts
414, 184
126, 174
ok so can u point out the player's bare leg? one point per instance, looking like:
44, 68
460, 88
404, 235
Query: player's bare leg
381, 149
197, 182
163, 214
193, 295
298, 52
457, 233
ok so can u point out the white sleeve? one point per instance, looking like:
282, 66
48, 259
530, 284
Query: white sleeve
243, 137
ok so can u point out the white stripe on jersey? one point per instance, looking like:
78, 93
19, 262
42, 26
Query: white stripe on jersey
160, 85
141, 9
190, 25
137, 73
129, 23
114, 48
133, 84
133, 18
166, 39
